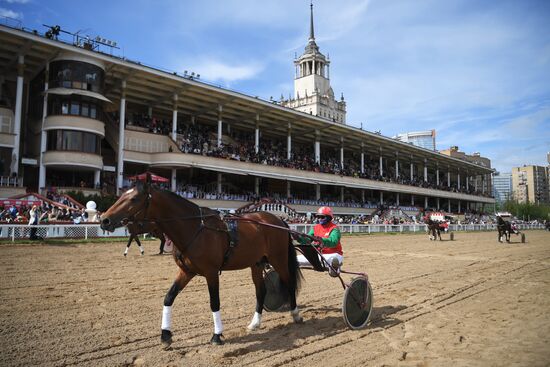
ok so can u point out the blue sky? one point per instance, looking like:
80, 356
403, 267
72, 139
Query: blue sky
476, 71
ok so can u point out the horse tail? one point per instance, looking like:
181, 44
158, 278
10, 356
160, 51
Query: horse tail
294, 272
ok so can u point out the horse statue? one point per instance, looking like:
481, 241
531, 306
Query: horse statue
205, 245
135, 229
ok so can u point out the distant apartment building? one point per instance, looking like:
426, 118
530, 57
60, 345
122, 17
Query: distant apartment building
476, 158
423, 139
502, 186
530, 184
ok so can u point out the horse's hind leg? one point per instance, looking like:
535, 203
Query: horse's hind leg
290, 276
259, 284
162, 242
166, 327
139, 245
213, 281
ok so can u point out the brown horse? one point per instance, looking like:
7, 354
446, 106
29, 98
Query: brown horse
203, 247
135, 229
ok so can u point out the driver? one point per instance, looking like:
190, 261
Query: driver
329, 239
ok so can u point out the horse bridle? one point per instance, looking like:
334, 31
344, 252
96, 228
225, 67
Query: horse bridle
132, 218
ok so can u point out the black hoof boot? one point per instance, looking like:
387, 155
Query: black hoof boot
166, 338
216, 339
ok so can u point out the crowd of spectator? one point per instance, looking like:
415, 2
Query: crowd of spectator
239, 146
45, 214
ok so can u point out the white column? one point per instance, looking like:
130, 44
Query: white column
396, 166
448, 178
449, 205
317, 191
342, 194
317, 146
458, 180
43, 135
97, 178
483, 182
362, 160
425, 201
412, 170
437, 177
437, 203
412, 200
425, 170
120, 158
459, 208
288, 189
219, 188
362, 196
220, 124
289, 142
173, 183
342, 152
467, 183
381, 169
381, 197
150, 111
17, 117
175, 119
397, 199
475, 183
257, 134
257, 185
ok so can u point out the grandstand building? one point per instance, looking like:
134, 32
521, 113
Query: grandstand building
74, 116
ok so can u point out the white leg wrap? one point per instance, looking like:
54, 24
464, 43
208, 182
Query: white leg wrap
166, 318
218, 326
296, 315
126, 251
256, 321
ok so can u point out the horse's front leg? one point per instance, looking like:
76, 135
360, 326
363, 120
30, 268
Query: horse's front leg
166, 327
213, 281
128, 244
259, 284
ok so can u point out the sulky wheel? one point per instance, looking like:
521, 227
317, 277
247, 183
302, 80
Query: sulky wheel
357, 303
276, 298
523, 238
452, 236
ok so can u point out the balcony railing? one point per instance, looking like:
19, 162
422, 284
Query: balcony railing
7, 181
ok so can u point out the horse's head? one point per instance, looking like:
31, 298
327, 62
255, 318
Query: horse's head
130, 207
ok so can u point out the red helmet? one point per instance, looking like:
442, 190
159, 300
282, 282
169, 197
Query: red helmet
325, 210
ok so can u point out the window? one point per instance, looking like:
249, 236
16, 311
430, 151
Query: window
85, 109
74, 105
76, 141
76, 75
75, 108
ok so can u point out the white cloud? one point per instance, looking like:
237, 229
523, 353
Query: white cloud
10, 14
214, 70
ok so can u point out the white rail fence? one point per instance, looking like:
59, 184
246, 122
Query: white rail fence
12, 232
408, 228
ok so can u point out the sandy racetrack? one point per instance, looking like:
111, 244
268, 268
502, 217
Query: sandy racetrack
468, 302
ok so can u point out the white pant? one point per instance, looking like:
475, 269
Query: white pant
302, 261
